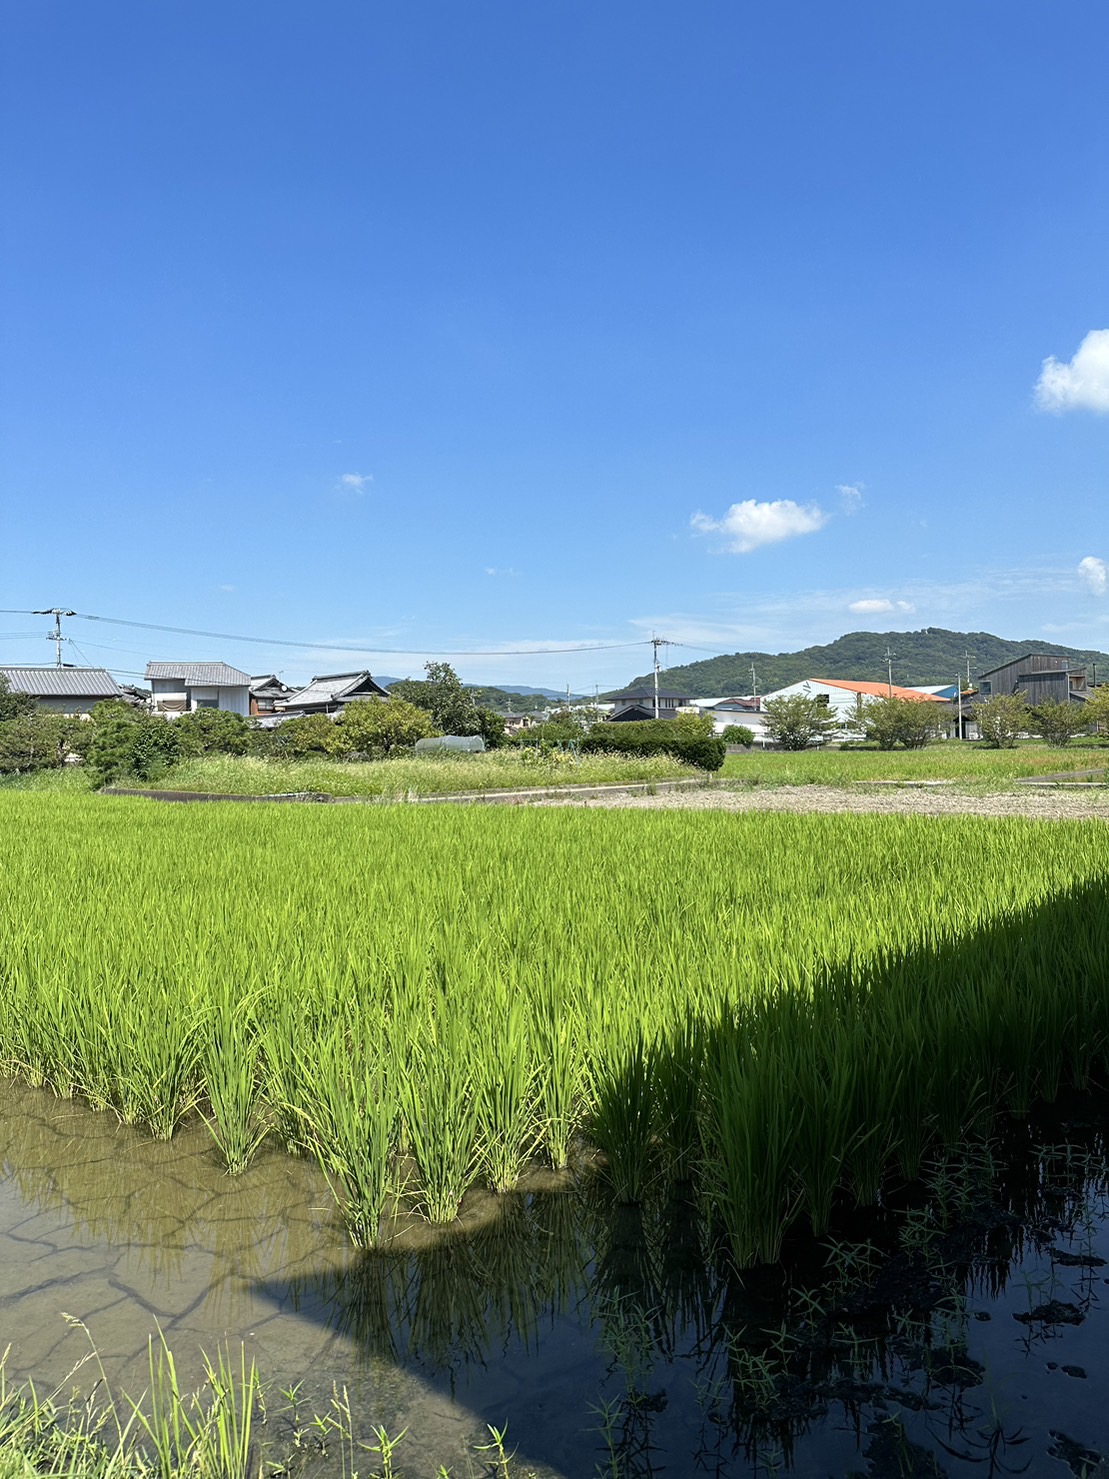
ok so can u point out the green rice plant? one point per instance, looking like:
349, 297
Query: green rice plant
231, 1072
349, 1103
440, 1113
505, 1083
677, 1075
623, 1119
749, 1131
559, 1076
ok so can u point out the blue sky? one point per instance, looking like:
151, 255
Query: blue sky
450, 327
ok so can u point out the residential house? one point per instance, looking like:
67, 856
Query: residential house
639, 703
63, 690
1037, 676
517, 723
267, 694
180, 687
329, 693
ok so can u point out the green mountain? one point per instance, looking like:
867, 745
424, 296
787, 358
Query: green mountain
931, 655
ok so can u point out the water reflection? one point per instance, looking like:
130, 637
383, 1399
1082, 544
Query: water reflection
960, 1321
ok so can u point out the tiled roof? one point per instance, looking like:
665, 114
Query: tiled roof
327, 688
878, 690
202, 674
64, 682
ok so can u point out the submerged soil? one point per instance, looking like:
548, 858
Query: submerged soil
891, 799
958, 1329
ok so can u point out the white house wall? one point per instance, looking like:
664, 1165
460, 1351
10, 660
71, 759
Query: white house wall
174, 692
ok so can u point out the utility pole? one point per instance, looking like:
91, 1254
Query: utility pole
57, 612
754, 682
889, 668
656, 643
959, 696
968, 656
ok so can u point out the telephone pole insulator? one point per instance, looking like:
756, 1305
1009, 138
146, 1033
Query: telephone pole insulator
57, 612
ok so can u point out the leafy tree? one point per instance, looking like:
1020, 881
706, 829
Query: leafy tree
308, 737
738, 734
1002, 719
124, 747
1097, 709
451, 706
212, 731
490, 726
14, 705
37, 741
380, 726
441, 693
797, 721
1058, 722
889, 722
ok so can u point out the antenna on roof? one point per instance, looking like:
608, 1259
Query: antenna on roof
57, 612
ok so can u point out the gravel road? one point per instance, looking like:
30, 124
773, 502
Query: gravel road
1049, 805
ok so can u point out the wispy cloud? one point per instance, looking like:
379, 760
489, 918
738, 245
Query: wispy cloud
879, 606
1080, 384
355, 482
495, 570
229, 589
850, 496
749, 525
1095, 572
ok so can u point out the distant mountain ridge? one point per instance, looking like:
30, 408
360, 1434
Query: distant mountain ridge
512, 697
931, 655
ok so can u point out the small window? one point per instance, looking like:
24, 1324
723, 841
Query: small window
206, 703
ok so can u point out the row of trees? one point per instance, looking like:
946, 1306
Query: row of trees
797, 721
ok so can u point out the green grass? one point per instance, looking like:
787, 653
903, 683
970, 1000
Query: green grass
70, 780
496, 770
955, 762
230, 1428
789, 1009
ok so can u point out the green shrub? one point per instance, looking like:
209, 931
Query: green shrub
690, 741
135, 746
738, 734
212, 732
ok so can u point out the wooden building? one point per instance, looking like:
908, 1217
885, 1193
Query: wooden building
1037, 677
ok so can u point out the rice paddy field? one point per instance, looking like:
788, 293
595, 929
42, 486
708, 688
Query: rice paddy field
964, 764
784, 1011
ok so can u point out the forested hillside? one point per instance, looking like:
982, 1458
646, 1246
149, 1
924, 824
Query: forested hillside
932, 655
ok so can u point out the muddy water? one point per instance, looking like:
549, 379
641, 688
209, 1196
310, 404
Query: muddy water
959, 1331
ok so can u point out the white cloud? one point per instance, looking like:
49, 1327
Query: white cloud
879, 605
496, 570
355, 482
850, 496
1095, 573
748, 525
1080, 385
229, 588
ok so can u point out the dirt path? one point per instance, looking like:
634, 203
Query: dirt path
893, 800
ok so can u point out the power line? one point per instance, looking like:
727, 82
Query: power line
150, 626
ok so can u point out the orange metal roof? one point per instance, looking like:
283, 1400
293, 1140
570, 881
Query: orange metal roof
879, 690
